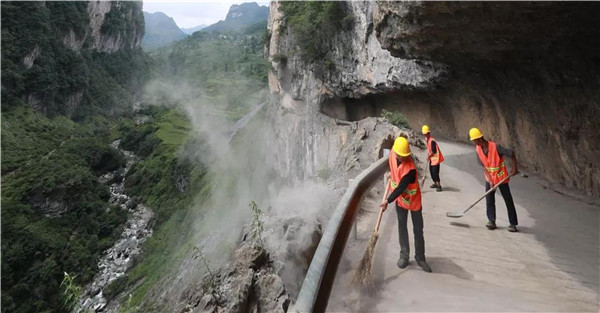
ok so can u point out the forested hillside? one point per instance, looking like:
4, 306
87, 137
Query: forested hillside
64, 79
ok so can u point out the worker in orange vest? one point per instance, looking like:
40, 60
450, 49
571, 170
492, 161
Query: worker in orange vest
491, 157
404, 186
434, 157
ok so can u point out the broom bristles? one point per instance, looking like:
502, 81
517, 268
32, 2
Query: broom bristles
364, 274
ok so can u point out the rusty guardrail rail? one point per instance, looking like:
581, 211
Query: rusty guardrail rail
316, 288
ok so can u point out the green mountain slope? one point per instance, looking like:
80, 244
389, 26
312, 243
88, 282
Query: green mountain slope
161, 30
227, 71
64, 79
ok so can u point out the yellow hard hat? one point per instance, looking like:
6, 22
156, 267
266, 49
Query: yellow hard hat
425, 129
401, 147
475, 133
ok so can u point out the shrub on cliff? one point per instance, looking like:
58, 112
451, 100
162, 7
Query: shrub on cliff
395, 118
314, 23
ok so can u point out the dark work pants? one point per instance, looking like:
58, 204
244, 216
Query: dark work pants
417, 219
434, 170
490, 201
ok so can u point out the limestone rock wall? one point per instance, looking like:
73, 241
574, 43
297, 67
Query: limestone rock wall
306, 139
526, 73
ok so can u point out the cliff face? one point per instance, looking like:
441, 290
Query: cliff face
57, 54
524, 73
305, 97
112, 26
501, 32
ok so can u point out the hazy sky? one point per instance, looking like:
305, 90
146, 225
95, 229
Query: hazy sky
193, 13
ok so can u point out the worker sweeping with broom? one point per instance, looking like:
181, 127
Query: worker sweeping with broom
404, 187
407, 194
491, 158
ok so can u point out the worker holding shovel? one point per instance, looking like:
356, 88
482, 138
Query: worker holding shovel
407, 194
434, 158
491, 157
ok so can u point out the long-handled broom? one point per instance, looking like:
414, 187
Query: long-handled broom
363, 274
461, 214
425, 176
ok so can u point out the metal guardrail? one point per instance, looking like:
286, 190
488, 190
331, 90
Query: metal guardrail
316, 288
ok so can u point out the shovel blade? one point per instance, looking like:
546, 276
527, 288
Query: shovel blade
455, 214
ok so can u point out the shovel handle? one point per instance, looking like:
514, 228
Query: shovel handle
488, 192
385, 194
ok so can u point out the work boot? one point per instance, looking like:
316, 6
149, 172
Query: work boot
491, 225
424, 266
512, 228
438, 189
402, 262
433, 186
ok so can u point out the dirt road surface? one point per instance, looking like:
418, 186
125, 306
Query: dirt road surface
551, 264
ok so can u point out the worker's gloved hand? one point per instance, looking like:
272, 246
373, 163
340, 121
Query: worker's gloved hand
514, 172
383, 205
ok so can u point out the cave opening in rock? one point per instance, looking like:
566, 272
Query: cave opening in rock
417, 106
356, 109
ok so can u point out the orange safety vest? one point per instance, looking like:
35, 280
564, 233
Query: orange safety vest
410, 199
493, 163
436, 158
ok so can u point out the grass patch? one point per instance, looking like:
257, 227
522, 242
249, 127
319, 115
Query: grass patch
173, 128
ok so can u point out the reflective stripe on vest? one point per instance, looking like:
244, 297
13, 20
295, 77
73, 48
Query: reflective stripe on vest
493, 163
405, 197
410, 199
496, 169
410, 191
438, 157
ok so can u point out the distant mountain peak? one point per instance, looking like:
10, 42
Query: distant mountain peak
240, 16
234, 12
239, 10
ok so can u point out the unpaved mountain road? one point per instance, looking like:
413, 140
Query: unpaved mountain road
551, 264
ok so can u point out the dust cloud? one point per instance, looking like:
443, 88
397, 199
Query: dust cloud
243, 169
